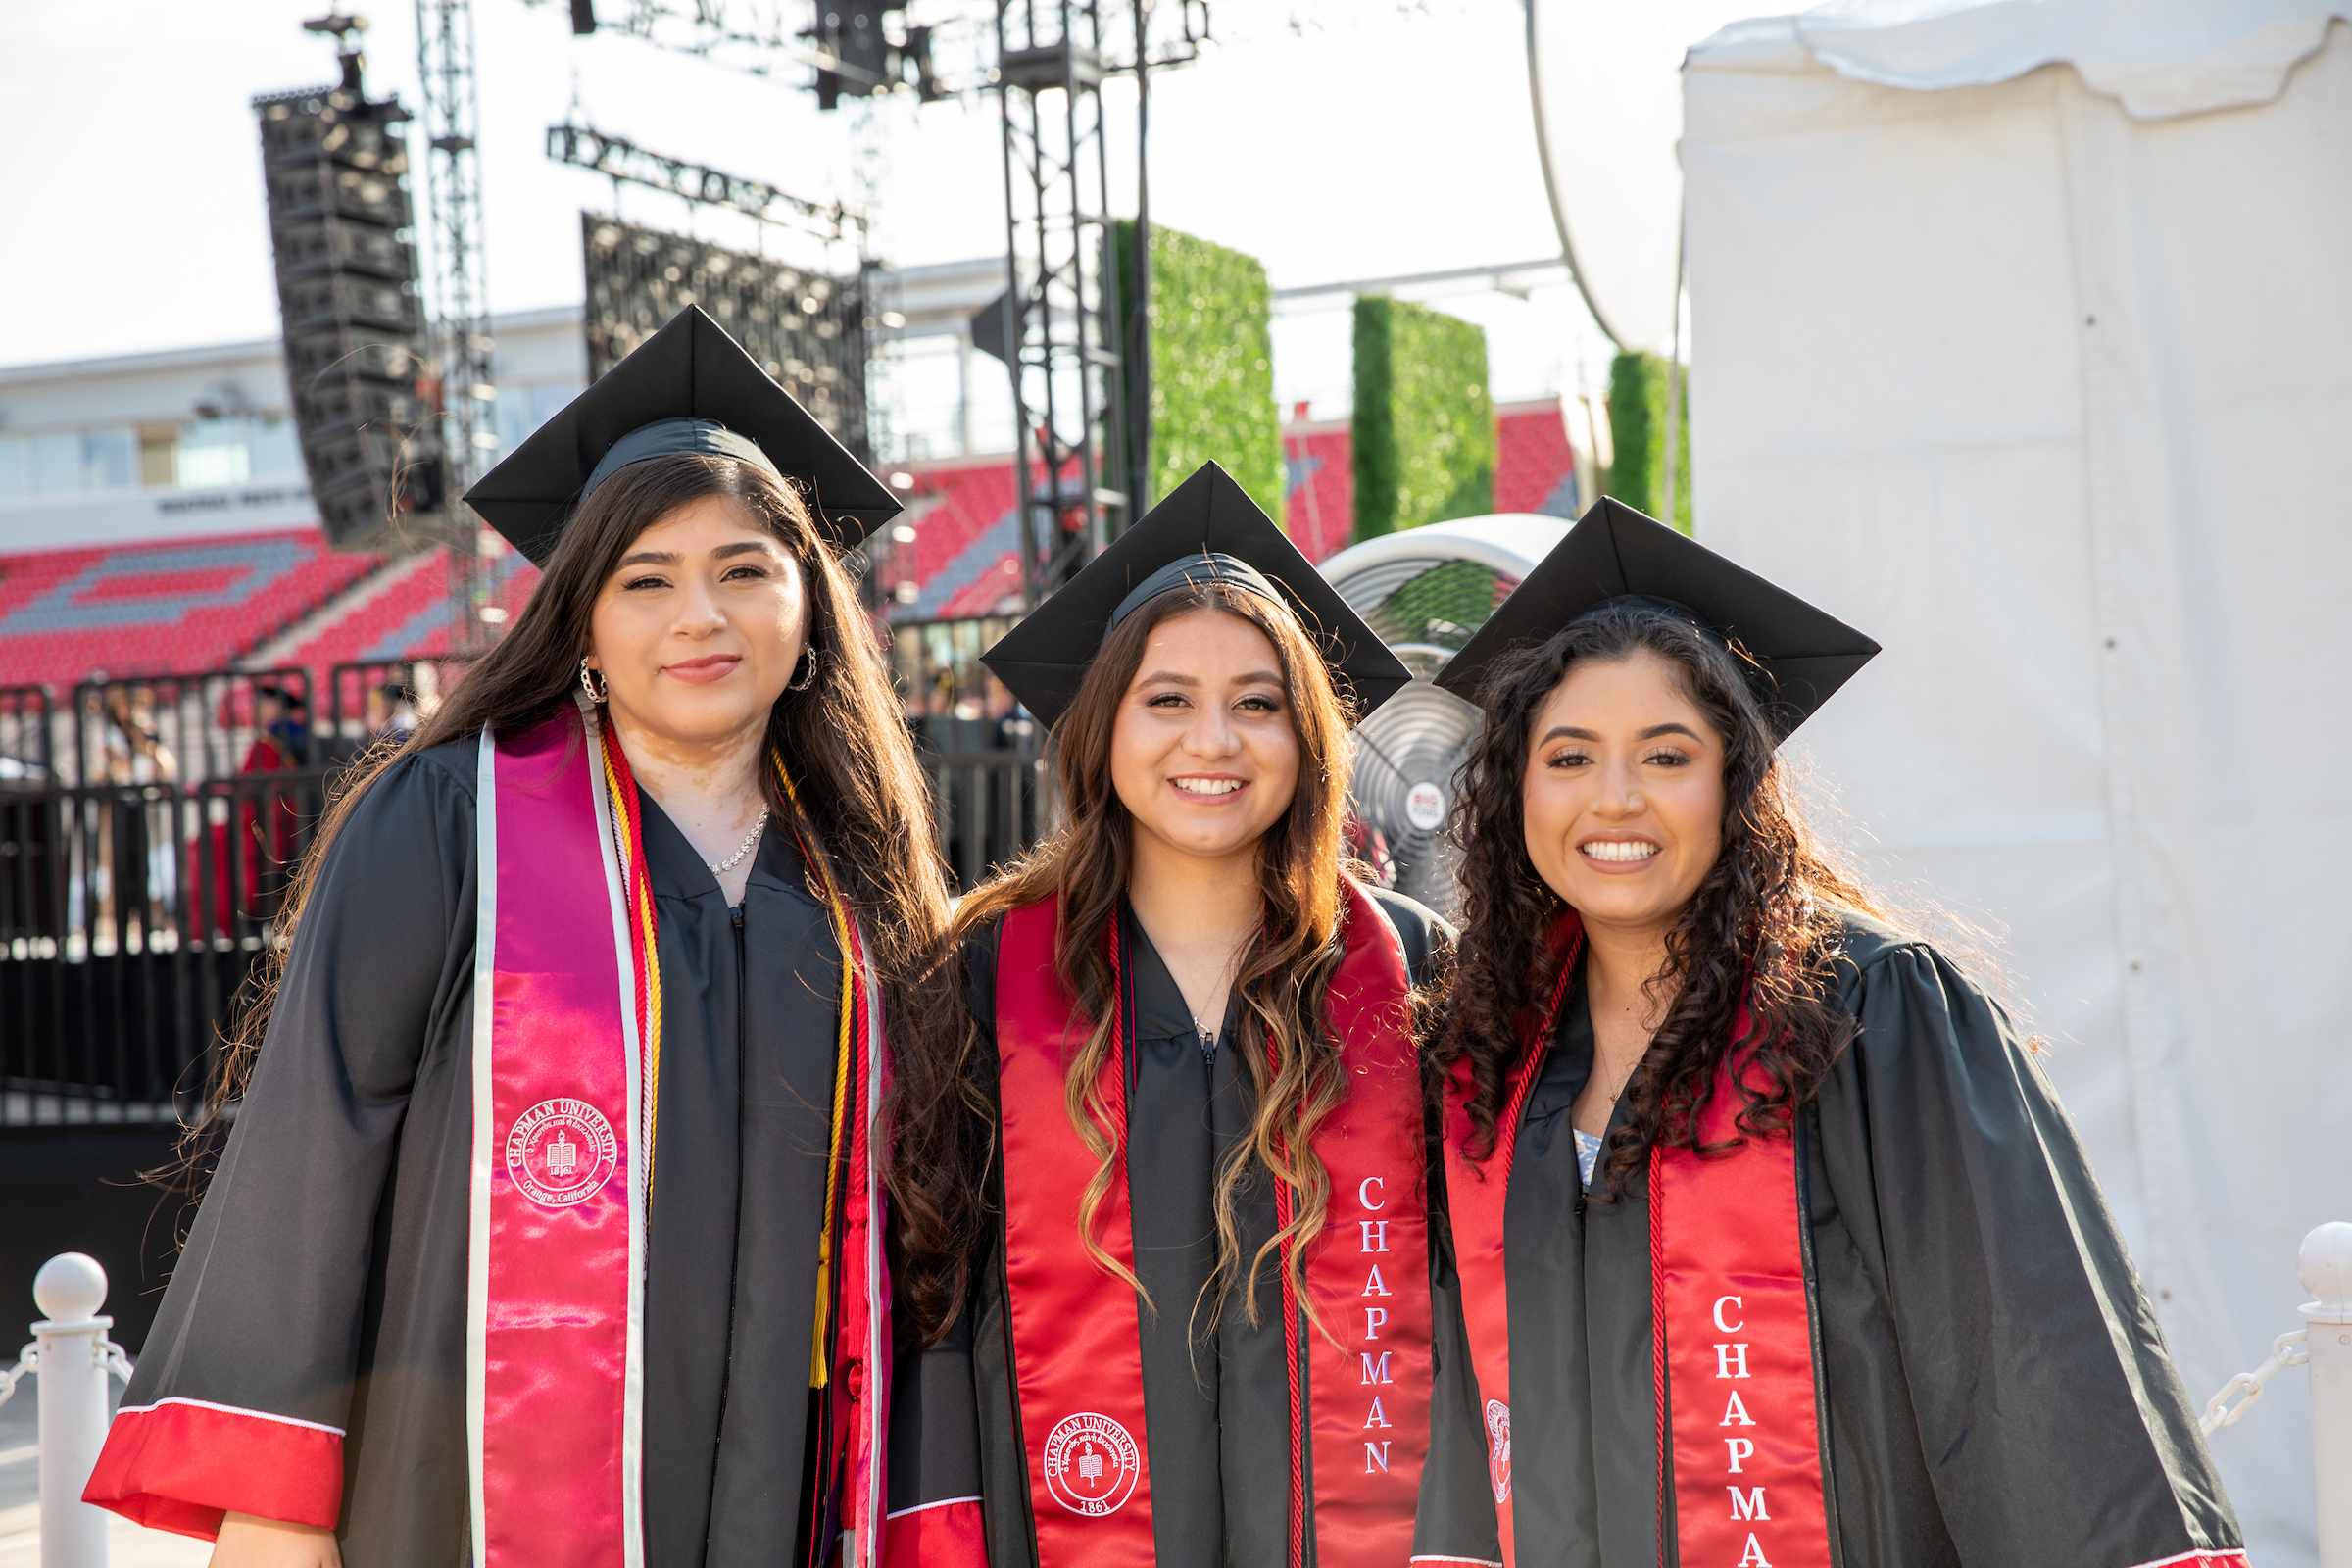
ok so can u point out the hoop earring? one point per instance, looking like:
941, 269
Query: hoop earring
809, 679
593, 683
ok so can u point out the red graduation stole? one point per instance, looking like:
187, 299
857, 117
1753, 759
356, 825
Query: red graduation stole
567, 1050
1731, 1328
1077, 1348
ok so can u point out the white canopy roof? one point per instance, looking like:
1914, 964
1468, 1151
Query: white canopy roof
2159, 57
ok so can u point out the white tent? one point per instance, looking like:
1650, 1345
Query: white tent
2023, 340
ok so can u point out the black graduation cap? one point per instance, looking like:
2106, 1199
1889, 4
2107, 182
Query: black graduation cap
1207, 528
1800, 656
688, 388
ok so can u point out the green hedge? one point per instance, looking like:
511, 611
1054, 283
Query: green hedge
1424, 421
1637, 392
1212, 363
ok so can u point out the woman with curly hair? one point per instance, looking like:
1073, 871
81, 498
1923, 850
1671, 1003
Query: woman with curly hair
1184, 1166
1776, 1247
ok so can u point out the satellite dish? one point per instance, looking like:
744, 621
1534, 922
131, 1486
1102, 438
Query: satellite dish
1425, 591
1607, 83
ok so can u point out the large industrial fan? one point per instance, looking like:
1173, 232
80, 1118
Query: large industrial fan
1425, 591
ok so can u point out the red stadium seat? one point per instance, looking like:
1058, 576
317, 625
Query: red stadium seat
146, 609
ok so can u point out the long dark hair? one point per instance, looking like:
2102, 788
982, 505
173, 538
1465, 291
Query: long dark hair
946, 1126
866, 807
1765, 925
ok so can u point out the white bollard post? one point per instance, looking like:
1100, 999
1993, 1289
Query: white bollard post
71, 1288
2324, 1266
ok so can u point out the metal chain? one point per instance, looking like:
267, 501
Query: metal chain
108, 1354
2289, 1349
27, 1360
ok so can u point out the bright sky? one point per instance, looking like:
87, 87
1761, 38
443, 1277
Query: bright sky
1392, 136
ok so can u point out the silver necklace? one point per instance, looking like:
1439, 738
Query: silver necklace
750, 839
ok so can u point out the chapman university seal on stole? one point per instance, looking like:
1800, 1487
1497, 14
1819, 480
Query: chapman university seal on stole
1498, 1450
1091, 1464
561, 1153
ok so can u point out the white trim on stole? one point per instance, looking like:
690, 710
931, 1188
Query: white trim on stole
477, 1201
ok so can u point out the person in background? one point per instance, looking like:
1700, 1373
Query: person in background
1774, 1240
260, 862
281, 729
137, 869
391, 711
1180, 1183
551, 1229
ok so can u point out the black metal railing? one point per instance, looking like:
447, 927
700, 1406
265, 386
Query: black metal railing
370, 700
989, 807
184, 729
130, 915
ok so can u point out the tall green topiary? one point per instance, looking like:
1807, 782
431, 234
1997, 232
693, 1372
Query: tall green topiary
1424, 433
1211, 362
1638, 387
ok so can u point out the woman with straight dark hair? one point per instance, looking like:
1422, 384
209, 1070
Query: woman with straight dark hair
1183, 1168
1775, 1245
550, 1230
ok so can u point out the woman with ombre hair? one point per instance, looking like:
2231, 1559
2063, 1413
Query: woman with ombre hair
1181, 1178
1776, 1247
551, 1230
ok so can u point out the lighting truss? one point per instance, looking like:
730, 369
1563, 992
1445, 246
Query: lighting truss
757, 37
584, 147
460, 295
761, 36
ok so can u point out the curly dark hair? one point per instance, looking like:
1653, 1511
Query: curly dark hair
1765, 925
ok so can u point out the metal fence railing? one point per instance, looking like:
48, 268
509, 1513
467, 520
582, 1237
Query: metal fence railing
989, 807
130, 917
150, 826
373, 700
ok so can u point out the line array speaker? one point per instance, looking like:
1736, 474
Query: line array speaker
358, 355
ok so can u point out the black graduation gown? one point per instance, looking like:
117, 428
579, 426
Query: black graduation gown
1999, 1395
1216, 1411
325, 1275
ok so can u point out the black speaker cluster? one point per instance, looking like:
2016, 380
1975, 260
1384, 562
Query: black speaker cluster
358, 347
808, 329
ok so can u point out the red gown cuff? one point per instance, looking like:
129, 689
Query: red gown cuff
181, 1465
935, 1535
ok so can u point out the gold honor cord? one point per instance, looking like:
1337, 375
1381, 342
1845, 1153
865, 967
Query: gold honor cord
819, 1371
620, 792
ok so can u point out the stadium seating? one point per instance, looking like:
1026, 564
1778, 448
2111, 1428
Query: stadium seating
202, 604
147, 609
1319, 509
1534, 470
410, 617
966, 549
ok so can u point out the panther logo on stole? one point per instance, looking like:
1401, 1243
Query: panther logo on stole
1091, 1464
561, 1153
1498, 1449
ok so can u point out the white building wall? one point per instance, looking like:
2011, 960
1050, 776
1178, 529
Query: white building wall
198, 441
